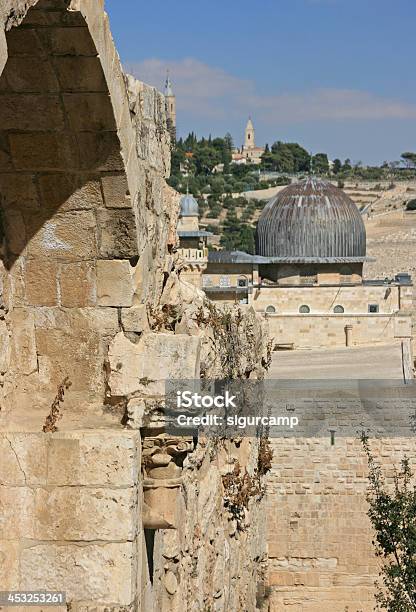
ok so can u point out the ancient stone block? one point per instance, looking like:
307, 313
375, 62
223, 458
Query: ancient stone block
104, 320
23, 42
6, 163
24, 459
75, 41
5, 347
147, 364
43, 151
47, 5
42, 18
23, 357
69, 236
72, 513
116, 191
94, 572
9, 565
63, 353
78, 285
41, 280
117, 233
100, 152
18, 191
135, 319
114, 283
78, 74
30, 74
33, 112
89, 112
15, 230
105, 458
63, 192
16, 508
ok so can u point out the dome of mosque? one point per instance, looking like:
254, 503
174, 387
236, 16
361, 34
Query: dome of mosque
311, 219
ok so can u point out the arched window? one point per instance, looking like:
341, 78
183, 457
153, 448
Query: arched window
304, 309
242, 282
339, 309
270, 309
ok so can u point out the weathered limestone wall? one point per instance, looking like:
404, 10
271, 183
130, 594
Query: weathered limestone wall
212, 561
202, 556
90, 291
87, 218
70, 516
322, 300
321, 557
314, 331
323, 327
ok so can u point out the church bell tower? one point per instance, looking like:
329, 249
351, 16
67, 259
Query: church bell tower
249, 142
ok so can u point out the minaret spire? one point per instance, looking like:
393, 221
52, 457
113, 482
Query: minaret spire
168, 85
170, 107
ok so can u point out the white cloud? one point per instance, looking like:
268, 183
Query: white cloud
203, 90
211, 93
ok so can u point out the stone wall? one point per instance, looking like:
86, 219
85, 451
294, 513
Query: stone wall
207, 558
91, 292
70, 516
321, 557
314, 331
87, 215
355, 299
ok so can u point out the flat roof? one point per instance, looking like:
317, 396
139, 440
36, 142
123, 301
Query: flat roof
242, 257
194, 234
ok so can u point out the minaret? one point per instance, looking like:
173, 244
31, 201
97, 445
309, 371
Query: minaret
170, 108
249, 142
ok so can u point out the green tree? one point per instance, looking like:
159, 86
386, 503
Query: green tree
288, 157
392, 512
267, 161
409, 159
337, 166
320, 164
346, 167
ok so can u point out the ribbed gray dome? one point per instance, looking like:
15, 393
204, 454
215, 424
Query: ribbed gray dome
311, 219
189, 206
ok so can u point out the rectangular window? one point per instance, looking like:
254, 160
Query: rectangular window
308, 277
373, 308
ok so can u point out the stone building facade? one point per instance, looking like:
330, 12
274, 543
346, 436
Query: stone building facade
307, 276
193, 247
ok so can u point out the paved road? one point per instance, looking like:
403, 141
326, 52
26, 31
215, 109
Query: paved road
365, 362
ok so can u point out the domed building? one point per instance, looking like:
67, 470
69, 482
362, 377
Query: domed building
307, 274
192, 241
311, 232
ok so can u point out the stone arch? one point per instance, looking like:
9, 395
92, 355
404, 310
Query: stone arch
69, 194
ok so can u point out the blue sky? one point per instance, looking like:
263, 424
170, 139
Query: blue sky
335, 75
